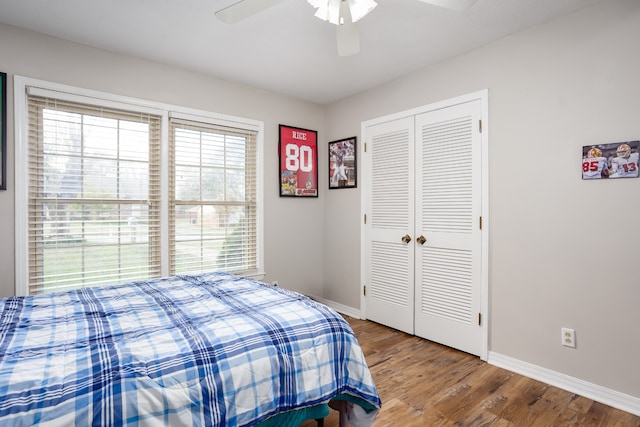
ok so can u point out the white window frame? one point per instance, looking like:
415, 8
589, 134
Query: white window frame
71, 93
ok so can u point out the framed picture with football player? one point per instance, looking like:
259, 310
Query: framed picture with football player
3, 131
298, 152
342, 163
617, 160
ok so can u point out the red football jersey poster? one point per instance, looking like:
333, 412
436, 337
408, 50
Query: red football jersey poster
298, 162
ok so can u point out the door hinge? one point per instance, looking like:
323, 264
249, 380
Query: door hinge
480, 223
365, 218
365, 147
479, 319
365, 290
480, 126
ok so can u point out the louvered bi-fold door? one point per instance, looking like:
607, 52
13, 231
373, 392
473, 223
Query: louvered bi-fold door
448, 208
423, 181
389, 275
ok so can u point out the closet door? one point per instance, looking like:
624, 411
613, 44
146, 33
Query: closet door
448, 209
389, 277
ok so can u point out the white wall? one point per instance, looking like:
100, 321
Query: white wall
563, 251
32, 55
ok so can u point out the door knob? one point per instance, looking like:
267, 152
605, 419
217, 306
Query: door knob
406, 238
421, 240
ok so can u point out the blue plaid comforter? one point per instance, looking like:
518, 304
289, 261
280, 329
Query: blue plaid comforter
202, 350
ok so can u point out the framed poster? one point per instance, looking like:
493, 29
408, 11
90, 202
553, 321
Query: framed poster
298, 152
342, 163
617, 160
3, 131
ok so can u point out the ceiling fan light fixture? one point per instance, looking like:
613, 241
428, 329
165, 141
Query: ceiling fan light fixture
329, 10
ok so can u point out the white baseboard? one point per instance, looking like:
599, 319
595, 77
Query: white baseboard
340, 308
598, 393
583, 388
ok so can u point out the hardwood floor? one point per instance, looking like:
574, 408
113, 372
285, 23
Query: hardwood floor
422, 383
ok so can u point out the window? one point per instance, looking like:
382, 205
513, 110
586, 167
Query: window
105, 203
94, 194
212, 194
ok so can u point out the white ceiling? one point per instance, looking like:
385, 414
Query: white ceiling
284, 49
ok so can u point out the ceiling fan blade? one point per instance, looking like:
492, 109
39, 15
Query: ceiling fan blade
348, 40
347, 33
243, 9
458, 5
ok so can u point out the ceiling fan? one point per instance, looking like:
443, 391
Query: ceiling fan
343, 13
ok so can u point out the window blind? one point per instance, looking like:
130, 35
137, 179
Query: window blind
212, 198
94, 195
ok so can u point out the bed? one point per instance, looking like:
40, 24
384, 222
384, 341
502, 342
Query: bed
211, 349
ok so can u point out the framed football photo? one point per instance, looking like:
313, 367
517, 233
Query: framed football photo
617, 160
342, 163
298, 152
3, 131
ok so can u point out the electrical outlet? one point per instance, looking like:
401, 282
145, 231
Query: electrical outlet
568, 337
